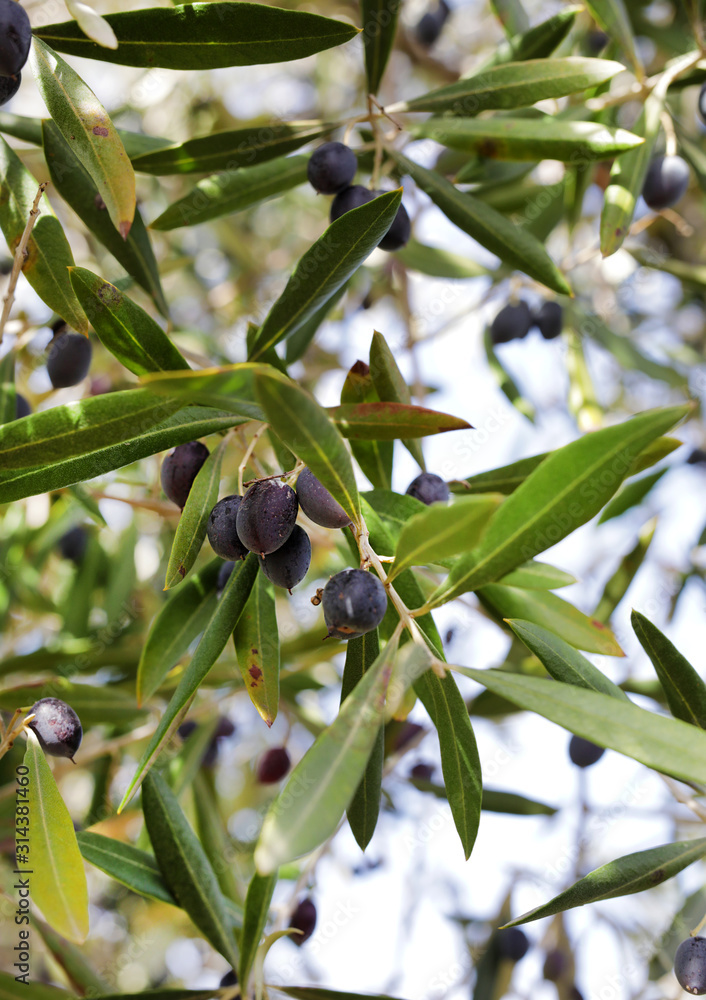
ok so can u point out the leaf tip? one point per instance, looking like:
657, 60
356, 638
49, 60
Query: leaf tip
124, 229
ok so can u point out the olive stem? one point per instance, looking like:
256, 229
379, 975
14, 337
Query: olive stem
370, 557
248, 453
13, 730
19, 258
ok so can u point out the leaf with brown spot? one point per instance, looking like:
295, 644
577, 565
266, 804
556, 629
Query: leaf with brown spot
256, 640
388, 421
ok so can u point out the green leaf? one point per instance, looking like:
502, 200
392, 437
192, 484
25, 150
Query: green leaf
631, 873
15, 989
191, 529
77, 428
323, 783
391, 387
395, 509
256, 142
325, 267
77, 969
543, 608
630, 495
683, 686
187, 425
230, 388
184, 865
198, 35
514, 246
311, 435
48, 250
257, 905
126, 330
233, 191
75, 185
535, 43
256, 639
214, 836
58, 879
617, 585
438, 263
8, 394
182, 617
613, 18
515, 805
515, 85
299, 341
21, 127
364, 808
667, 745
86, 127
565, 491
504, 480
389, 421
316, 993
534, 575
213, 642
562, 661
528, 138
512, 16
127, 864
441, 532
374, 457
379, 20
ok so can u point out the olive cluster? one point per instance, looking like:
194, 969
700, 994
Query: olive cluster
331, 169
263, 521
514, 322
15, 39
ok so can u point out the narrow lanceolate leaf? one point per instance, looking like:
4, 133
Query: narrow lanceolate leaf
49, 254
374, 457
504, 480
379, 21
8, 394
76, 186
538, 42
15, 989
233, 191
58, 881
528, 138
389, 421
493, 230
631, 873
186, 425
667, 745
213, 642
683, 686
230, 388
565, 491
322, 784
325, 267
191, 529
515, 85
631, 495
625, 351
438, 263
192, 36
257, 906
125, 329
534, 575
441, 532
311, 435
364, 808
76, 428
543, 608
127, 864
184, 865
512, 16
176, 625
390, 385
255, 142
89, 132
562, 661
256, 639
460, 762
613, 18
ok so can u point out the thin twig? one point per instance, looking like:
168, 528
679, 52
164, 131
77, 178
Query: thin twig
19, 259
248, 454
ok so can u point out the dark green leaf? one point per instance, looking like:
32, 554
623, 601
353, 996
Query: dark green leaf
198, 35
127, 864
256, 639
389, 421
374, 457
631, 495
184, 865
75, 185
493, 230
683, 686
538, 42
187, 425
230, 388
364, 807
391, 387
257, 905
613, 18
379, 20
631, 873
125, 329
232, 191
438, 263
325, 267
